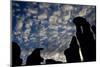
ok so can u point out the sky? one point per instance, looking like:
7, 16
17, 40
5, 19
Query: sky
47, 25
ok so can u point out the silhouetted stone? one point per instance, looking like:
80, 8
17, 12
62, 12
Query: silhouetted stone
94, 29
51, 61
72, 53
16, 60
35, 58
85, 38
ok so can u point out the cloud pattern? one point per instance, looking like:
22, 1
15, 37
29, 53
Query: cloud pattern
46, 25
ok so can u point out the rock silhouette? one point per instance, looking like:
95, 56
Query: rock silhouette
94, 29
16, 60
72, 53
51, 61
35, 58
85, 38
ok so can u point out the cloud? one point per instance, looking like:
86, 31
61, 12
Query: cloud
44, 5
53, 20
26, 32
42, 33
42, 16
32, 11
43, 38
67, 16
53, 27
54, 55
28, 24
67, 8
60, 20
57, 13
19, 25
83, 12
